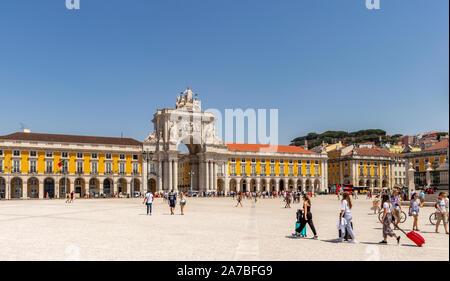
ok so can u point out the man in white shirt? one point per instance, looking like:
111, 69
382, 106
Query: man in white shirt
148, 200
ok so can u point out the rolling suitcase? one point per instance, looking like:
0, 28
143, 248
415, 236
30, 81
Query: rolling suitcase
414, 236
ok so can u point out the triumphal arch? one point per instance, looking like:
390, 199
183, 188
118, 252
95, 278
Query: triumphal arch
189, 125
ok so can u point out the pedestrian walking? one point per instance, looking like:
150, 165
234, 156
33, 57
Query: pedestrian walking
148, 200
172, 198
414, 206
182, 203
345, 218
288, 201
397, 208
72, 195
421, 197
387, 220
442, 211
307, 217
239, 199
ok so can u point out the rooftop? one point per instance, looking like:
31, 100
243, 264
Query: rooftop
373, 152
440, 145
266, 147
70, 139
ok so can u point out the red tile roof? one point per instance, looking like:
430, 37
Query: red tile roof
440, 145
372, 152
70, 139
266, 147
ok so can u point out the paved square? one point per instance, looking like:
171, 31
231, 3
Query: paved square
212, 229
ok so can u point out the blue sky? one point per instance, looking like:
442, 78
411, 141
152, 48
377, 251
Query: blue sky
325, 64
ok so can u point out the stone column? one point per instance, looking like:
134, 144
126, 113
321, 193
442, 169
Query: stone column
115, 187
277, 185
144, 177
25, 189
175, 178
211, 175
100, 186
170, 175
8, 189
207, 176
87, 187
226, 188
322, 176
215, 176
57, 186
428, 171
411, 184
227, 180
258, 185
202, 176
41, 189
160, 175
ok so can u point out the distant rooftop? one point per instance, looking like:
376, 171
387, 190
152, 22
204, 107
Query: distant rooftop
440, 145
266, 147
70, 139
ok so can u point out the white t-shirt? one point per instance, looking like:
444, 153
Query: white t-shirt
149, 197
345, 208
387, 206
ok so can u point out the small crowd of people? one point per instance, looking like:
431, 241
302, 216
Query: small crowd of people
170, 198
391, 215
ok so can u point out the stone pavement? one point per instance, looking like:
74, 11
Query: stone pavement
211, 229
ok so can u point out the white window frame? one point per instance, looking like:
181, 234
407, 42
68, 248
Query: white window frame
135, 168
48, 166
80, 167
122, 168
16, 166
108, 167
94, 167
33, 166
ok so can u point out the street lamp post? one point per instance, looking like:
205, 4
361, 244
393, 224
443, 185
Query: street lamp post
191, 175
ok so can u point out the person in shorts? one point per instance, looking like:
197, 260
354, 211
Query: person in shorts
172, 198
441, 211
414, 206
182, 203
397, 209
239, 200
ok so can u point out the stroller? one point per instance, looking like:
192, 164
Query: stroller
300, 219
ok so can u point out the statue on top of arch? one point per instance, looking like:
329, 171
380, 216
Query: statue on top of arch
187, 101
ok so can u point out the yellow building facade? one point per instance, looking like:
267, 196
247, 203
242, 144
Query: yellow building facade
49, 165
366, 167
